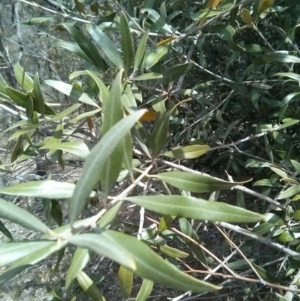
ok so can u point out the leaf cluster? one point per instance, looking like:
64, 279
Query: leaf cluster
186, 86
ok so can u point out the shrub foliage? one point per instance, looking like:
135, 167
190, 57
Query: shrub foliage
169, 102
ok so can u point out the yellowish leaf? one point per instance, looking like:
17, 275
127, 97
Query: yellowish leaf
245, 15
166, 41
263, 5
213, 3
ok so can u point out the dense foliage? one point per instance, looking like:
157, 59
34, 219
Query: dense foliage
186, 110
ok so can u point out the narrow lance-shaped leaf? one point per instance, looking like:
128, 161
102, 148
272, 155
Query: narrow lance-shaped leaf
127, 153
20, 216
145, 290
190, 207
268, 148
80, 259
106, 44
147, 76
187, 152
73, 47
126, 43
24, 80
291, 191
113, 112
48, 189
276, 57
103, 90
296, 165
139, 258
87, 47
13, 251
173, 73
159, 133
69, 90
34, 257
154, 56
5, 231
89, 287
16, 96
96, 162
195, 182
77, 148
263, 5
140, 52
39, 97
126, 281
67, 112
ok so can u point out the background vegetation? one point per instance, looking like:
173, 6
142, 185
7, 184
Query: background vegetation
152, 149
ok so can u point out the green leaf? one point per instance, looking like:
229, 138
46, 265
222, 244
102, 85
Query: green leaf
140, 52
88, 285
29, 108
230, 127
291, 191
296, 165
127, 154
147, 76
126, 281
158, 136
286, 236
56, 212
113, 112
263, 5
73, 47
109, 216
280, 172
38, 20
48, 189
80, 259
23, 79
154, 56
187, 152
159, 22
199, 209
20, 216
16, 96
226, 32
34, 257
240, 264
276, 57
145, 290
106, 44
126, 42
172, 252
187, 229
195, 182
77, 148
103, 90
268, 148
39, 97
87, 47
139, 258
5, 231
13, 251
173, 73
66, 113
69, 90
96, 162
253, 48
23, 131
290, 75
